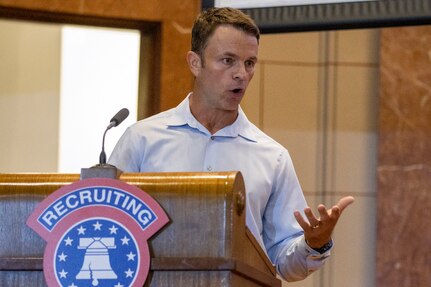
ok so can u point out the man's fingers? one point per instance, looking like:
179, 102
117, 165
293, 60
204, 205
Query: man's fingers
324, 215
300, 220
344, 202
312, 219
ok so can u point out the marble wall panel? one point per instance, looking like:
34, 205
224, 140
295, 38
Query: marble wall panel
404, 168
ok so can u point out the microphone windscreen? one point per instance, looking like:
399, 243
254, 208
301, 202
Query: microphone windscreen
120, 116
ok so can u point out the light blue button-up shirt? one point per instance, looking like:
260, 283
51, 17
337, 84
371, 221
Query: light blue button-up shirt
174, 141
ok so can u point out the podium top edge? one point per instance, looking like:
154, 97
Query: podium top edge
44, 183
27, 177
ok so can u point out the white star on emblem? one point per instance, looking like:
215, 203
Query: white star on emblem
119, 285
129, 273
68, 241
113, 229
64, 273
81, 230
125, 240
97, 226
73, 285
130, 256
62, 257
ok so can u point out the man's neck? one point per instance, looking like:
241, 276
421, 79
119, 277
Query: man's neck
211, 118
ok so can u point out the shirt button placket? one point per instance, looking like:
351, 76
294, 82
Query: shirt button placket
209, 154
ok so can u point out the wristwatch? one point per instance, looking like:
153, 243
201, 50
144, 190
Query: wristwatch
325, 247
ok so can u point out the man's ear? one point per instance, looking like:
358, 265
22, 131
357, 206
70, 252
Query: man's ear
195, 62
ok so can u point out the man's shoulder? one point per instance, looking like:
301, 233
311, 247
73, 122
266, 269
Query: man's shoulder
157, 120
263, 138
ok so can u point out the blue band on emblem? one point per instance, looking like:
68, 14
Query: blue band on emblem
97, 196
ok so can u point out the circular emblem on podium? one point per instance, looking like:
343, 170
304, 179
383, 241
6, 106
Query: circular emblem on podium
97, 232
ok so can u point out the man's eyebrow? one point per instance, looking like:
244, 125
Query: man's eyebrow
232, 55
229, 54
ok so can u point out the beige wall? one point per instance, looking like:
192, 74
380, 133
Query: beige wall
317, 94
29, 96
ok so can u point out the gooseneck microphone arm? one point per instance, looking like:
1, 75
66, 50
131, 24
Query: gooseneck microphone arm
102, 157
102, 169
115, 121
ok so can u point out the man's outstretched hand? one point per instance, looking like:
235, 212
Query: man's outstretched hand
318, 230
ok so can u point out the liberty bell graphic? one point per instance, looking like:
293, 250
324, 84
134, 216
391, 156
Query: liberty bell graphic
96, 263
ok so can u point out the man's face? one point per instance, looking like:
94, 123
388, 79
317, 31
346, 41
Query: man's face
226, 68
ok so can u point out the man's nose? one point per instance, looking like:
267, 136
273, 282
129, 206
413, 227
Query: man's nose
240, 72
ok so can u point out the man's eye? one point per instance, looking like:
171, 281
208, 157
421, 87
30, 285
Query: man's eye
227, 61
250, 64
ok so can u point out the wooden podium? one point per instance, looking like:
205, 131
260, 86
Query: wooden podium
206, 242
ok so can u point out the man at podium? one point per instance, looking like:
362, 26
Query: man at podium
208, 131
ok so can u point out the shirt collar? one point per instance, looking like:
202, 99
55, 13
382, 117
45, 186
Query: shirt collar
182, 116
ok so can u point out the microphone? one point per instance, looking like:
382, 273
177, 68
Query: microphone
118, 118
115, 121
